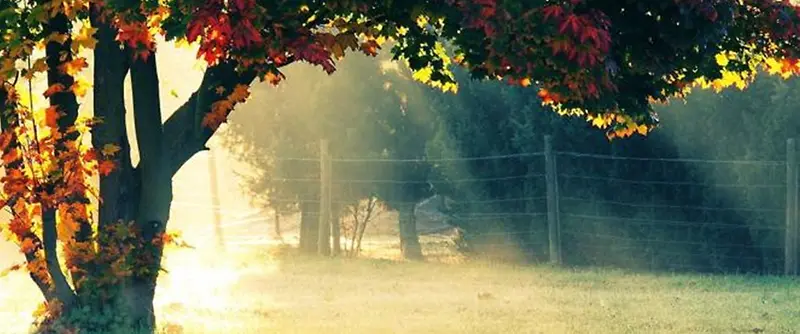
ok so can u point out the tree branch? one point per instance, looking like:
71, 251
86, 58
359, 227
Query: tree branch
184, 135
63, 291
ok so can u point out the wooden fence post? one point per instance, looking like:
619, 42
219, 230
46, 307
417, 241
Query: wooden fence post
553, 227
324, 245
215, 206
790, 246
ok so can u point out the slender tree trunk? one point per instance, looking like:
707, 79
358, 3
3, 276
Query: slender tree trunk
336, 229
409, 241
354, 233
277, 219
360, 228
66, 104
309, 222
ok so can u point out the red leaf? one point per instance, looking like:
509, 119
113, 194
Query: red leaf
553, 11
106, 167
572, 22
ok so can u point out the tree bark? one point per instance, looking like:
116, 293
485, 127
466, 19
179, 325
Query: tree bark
66, 103
184, 134
144, 193
63, 291
409, 240
117, 189
155, 194
164, 149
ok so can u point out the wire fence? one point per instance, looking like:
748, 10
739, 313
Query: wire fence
649, 213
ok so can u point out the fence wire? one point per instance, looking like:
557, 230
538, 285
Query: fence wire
640, 212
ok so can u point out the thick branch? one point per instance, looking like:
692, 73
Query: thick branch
154, 175
184, 135
154, 190
110, 67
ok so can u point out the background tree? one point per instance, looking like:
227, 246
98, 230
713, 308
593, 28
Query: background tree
369, 114
748, 215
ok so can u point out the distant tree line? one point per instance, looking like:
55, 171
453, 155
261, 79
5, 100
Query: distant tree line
667, 214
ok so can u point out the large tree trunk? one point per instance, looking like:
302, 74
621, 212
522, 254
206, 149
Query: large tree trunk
143, 194
409, 240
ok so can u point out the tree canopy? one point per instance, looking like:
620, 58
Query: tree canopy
608, 61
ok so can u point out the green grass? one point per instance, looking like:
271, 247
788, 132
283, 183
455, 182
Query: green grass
294, 294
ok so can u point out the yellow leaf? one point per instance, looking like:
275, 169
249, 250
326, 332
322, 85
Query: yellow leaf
173, 93
450, 87
423, 75
73, 67
110, 149
642, 129
722, 60
57, 37
273, 78
337, 51
84, 38
40, 65
80, 87
7, 69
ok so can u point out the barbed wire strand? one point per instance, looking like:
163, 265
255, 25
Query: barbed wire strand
683, 160
674, 183
667, 206
679, 242
664, 222
425, 160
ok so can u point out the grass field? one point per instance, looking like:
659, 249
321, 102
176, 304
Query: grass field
266, 291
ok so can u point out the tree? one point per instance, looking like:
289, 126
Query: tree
697, 222
604, 60
369, 110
